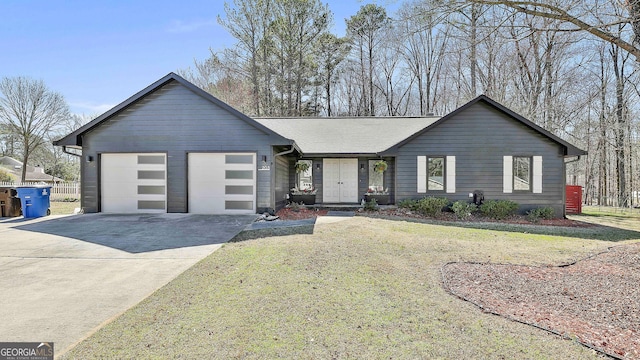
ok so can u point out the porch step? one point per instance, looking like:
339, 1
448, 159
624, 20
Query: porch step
335, 207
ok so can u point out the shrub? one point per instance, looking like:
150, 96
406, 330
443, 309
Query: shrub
371, 205
408, 204
5, 175
537, 214
498, 209
296, 206
463, 209
431, 206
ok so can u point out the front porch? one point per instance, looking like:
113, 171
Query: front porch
339, 182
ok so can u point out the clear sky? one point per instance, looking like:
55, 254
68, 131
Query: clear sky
98, 53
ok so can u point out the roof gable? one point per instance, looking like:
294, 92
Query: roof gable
74, 139
570, 150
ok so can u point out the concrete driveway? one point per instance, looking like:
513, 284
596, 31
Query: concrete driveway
62, 278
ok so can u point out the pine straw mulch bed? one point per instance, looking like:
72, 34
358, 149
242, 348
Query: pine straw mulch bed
595, 301
394, 212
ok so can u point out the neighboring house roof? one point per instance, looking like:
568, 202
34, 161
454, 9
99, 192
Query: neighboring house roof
74, 139
347, 135
570, 150
9, 161
34, 173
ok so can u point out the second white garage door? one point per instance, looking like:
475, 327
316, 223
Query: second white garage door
222, 183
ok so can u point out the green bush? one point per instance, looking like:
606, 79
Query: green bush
296, 206
498, 209
537, 214
463, 209
5, 175
431, 206
408, 204
371, 205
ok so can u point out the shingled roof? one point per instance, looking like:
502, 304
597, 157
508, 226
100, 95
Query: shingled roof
378, 135
34, 173
347, 135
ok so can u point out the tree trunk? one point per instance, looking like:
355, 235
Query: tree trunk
620, 128
372, 110
25, 159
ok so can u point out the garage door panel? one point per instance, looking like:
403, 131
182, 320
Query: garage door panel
222, 183
132, 183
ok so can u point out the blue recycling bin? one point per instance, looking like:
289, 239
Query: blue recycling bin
34, 200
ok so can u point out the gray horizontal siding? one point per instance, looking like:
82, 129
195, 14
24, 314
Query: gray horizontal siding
175, 121
479, 138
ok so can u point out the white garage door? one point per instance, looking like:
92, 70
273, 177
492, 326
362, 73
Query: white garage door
133, 183
222, 183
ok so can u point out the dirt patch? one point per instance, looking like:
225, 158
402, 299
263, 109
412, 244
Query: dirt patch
299, 214
595, 301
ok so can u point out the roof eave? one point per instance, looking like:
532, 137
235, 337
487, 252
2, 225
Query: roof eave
75, 137
340, 154
570, 150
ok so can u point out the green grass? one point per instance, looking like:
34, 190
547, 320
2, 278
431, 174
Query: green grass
623, 218
362, 288
62, 207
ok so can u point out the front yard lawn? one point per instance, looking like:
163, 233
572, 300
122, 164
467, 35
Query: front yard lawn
63, 207
363, 288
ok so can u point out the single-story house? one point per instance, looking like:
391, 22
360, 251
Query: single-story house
34, 174
173, 147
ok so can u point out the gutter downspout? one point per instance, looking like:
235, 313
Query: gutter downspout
64, 150
286, 152
573, 160
293, 148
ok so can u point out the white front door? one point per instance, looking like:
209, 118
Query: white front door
340, 181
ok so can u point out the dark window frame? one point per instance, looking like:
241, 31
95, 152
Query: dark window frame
513, 175
370, 165
444, 173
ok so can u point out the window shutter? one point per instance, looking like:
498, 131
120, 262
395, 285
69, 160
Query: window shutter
451, 174
507, 174
422, 174
537, 174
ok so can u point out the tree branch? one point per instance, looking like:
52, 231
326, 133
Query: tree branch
557, 13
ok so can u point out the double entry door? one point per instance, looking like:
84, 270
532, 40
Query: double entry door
340, 181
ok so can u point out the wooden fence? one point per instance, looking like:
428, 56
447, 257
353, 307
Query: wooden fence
59, 191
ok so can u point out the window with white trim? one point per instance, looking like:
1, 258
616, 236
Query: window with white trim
436, 173
522, 173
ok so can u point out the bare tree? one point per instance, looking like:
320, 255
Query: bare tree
425, 39
366, 30
583, 15
30, 110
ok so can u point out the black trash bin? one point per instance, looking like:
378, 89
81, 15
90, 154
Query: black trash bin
9, 202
